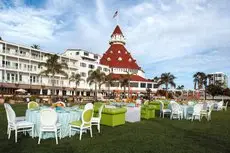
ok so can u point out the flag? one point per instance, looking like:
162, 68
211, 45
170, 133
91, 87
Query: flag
115, 14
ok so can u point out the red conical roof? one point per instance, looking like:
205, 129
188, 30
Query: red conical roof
117, 30
118, 57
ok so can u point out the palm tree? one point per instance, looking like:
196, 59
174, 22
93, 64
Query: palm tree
109, 81
124, 81
180, 87
95, 77
167, 79
156, 79
196, 79
0, 38
53, 67
128, 76
77, 79
35, 46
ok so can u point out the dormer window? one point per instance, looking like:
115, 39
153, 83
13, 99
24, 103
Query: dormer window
119, 59
111, 52
130, 60
119, 52
108, 59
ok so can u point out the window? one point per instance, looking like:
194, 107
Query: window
31, 79
99, 67
86, 54
95, 56
24, 66
20, 77
143, 85
8, 76
12, 77
134, 84
82, 64
35, 68
91, 66
83, 74
149, 85
155, 86
34, 79
16, 77
105, 69
77, 53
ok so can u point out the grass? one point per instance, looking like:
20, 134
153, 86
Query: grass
156, 135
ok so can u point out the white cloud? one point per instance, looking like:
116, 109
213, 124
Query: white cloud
182, 32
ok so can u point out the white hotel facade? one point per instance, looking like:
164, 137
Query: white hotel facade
19, 69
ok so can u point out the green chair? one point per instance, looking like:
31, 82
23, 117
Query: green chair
84, 123
32, 105
113, 116
147, 111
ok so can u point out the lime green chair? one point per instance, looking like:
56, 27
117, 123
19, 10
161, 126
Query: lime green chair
113, 116
147, 111
32, 105
84, 123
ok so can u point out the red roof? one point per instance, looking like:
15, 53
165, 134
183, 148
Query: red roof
118, 57
133, 77
117, 30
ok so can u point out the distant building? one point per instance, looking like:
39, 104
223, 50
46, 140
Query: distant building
219, 77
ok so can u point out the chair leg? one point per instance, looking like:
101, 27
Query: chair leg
56, 136
60, 133
32, 131
40, 135
80, 134
98, 128
9, 133
163, 114
70, 131
16, 135
91, 132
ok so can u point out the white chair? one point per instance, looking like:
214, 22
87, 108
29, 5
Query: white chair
20, 118
218, 106
176, 111
197, 112
163, 111
84, 123
32, 105
62, 103
16, 125
190, 103
97, 120
48, 123
225, 107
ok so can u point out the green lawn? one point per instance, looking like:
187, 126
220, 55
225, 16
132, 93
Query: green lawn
157, 135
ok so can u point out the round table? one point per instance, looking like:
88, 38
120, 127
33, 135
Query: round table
65, 116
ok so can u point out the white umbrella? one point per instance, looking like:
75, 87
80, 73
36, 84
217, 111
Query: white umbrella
21, 90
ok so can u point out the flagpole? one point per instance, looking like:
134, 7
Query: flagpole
117, 18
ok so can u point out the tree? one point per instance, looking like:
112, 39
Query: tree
0, 38
53, 67
124, 81
76, 78
167, 79
214, 90
196, 80
180, 87
109, 81
35, 46
129, 76
148, 90
95, 77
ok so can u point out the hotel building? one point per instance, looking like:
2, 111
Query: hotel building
19, 68
218, 77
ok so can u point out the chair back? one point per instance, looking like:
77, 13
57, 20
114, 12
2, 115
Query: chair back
175, 107
100, 111
62, 104
161, 105
226, 104
87, 114
7, 106
32, 105
205, 106
197, 109
210, 109
48, 117
11, 116
190, 103
220, 104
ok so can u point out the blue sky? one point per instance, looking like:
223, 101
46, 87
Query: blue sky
177, 36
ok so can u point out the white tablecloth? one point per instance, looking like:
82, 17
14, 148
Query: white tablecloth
133, 114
